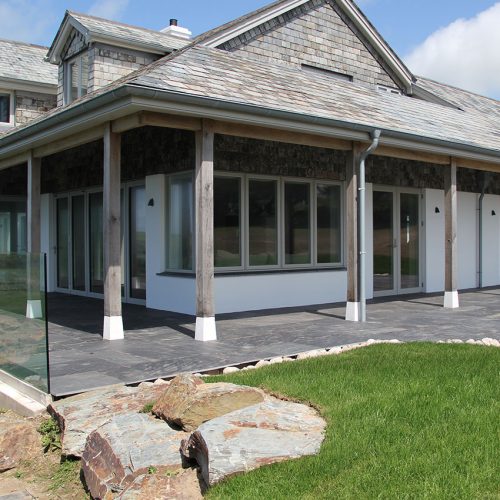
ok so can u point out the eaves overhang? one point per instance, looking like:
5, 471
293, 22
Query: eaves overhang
131, 98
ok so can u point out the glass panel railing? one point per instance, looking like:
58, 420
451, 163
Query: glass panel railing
23, 321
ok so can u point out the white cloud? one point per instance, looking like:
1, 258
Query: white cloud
465, 54
27, 20
109, 9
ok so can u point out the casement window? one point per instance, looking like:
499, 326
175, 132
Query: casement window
76, 77
276, 223
260, 223
6, 108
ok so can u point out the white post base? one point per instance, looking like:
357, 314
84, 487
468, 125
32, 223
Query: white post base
205, 330
113, 328
34, 309
352, 311
451, 300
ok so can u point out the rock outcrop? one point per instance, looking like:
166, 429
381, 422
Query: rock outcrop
126, 449
268, 432
188, 401
18, 441
79, 415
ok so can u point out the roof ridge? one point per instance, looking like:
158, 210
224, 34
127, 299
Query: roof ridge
470, 92
119, 23
26, 44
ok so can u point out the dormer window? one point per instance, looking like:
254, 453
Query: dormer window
76, 77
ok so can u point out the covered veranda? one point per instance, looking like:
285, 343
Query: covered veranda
159, 345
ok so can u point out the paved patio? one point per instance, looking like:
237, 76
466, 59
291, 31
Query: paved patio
159, 344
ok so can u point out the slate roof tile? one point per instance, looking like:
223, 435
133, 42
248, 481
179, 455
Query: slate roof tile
25, 62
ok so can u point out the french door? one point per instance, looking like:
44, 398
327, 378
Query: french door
79, 243
396, 241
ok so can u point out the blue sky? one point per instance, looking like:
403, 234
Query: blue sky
405, 24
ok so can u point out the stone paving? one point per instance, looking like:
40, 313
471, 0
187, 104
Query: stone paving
159, 344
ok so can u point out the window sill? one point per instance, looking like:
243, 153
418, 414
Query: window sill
192, 275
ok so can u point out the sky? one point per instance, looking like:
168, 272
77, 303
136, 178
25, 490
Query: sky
453, 41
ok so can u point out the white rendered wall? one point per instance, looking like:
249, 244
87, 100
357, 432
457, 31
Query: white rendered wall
267, 291
434, 240
491, 240
155, 240
467, 237
47, 236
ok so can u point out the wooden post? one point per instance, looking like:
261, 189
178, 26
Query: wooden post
33, 304
352, 308
451, 249
113, 322
204, 210
33, 216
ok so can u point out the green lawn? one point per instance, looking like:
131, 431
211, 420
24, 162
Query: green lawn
404, 421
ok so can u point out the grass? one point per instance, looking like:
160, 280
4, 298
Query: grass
404, 421
67, 473
51, 435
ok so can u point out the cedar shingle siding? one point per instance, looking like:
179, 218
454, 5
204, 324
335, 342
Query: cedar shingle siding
314, 34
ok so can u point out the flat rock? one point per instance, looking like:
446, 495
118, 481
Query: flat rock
184, 485
262, 434
188, 401
126, 447
19, 439
79, 415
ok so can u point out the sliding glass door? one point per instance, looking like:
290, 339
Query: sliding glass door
79, 243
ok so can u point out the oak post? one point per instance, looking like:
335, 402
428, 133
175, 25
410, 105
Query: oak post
113, 322
204, 228
33, 304
451, 249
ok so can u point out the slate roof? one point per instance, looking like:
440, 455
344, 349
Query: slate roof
461, 98
25, 62
128, 33
235, 78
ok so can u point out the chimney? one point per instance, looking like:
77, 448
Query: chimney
177, 31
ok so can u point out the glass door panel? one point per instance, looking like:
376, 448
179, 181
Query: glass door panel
62, 228
409, 240
138, 243
383, 241
78, 240
96, 243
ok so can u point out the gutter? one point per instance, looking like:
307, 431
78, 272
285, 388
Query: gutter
175, 102
362, 223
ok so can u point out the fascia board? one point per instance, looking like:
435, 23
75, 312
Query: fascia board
379, 44
27, 85
253, 115
234, 31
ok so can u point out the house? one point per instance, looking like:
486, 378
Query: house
28, 88
286, 158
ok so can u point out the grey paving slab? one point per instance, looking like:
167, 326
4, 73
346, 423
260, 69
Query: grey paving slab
159, 344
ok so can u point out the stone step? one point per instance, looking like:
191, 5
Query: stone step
12, 399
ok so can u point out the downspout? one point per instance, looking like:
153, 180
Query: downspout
362, 223
485, 178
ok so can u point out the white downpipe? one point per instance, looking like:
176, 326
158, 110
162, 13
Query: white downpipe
362, 224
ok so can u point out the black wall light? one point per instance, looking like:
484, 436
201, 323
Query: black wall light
493, 212
151, 203
436, 210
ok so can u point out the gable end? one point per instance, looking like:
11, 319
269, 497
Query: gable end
317, 33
